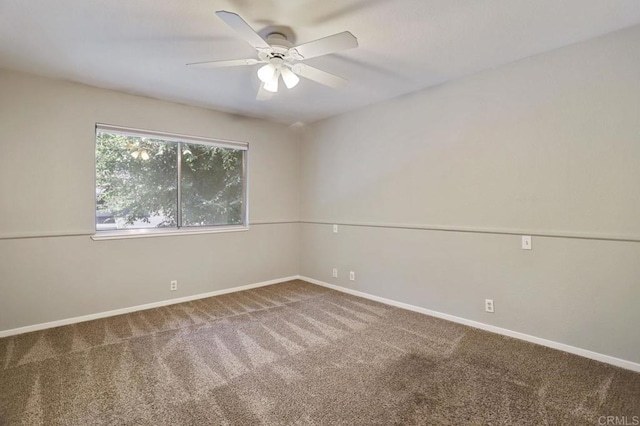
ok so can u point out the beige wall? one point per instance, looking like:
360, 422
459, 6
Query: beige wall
549, 145
47, 144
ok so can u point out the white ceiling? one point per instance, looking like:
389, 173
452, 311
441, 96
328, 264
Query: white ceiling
142, 46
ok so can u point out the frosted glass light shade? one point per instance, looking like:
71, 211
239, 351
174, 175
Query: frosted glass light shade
266, 73
290, 79
272, 86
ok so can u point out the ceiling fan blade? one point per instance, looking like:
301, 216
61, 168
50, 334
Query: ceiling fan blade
324, 46
319, 76
263, 94
223, 64
243, 29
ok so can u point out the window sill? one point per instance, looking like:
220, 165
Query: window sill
149, 233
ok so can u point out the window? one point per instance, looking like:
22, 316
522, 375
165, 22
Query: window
150, 182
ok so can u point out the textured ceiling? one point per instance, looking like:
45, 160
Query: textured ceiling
142, 46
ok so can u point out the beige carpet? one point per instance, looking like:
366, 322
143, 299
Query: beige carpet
296, 353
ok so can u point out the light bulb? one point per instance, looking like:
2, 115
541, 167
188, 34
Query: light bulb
272, 86
266, 73
290, 79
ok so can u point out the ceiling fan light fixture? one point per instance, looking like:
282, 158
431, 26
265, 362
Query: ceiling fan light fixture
267, 73
290, 79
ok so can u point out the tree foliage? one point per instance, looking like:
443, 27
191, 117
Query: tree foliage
212, 190
137, 182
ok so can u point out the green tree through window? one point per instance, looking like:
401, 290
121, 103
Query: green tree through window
142, 182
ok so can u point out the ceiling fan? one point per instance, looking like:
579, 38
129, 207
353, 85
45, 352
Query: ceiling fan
281, 58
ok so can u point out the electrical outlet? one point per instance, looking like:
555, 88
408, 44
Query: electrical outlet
526, 242
174, 285
488, 305
335, 228
335, 273
352, 276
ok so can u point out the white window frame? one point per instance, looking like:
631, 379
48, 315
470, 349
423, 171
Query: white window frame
177, 138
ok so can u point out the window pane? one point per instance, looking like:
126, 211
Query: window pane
212, 187
136, 182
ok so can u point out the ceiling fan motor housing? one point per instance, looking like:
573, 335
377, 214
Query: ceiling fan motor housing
279, 40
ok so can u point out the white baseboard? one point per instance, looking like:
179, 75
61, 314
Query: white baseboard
517, 335
58, 323
629, 365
